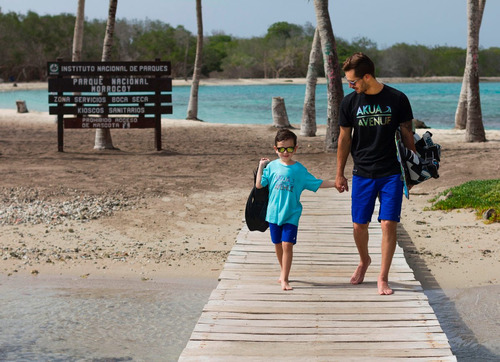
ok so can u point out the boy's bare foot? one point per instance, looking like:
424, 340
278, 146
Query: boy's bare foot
383, 287
286, 286
359, 273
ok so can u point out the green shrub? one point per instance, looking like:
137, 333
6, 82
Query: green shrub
480, 195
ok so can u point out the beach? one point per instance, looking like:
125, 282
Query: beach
143, 215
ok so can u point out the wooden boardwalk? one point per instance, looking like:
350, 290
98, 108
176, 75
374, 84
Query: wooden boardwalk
249, 318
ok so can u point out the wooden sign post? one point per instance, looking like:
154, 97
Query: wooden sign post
111, 95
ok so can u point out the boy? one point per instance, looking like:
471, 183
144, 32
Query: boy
286, 179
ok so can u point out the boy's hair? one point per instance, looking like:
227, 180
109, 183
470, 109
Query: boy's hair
361, 64
285, 134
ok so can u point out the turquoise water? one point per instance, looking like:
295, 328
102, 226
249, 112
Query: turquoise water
433, 103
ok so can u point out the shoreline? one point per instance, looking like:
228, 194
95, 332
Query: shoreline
9, 86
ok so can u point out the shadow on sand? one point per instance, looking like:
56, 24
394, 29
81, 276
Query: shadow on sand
463, 342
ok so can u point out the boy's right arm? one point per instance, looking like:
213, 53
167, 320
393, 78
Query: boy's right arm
327, 184
263, 162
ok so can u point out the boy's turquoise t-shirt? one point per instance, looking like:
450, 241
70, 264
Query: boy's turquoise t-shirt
286, 184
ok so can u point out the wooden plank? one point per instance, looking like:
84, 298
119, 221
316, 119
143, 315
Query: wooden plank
263, 336
353, 332
320, 317
259, 267
325, 284
304, 296
313, 309
249, 318
258, 306
251, 351
214, 318
319, 323
311, 279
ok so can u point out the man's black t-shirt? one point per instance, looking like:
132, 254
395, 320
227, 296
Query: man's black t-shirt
374, 120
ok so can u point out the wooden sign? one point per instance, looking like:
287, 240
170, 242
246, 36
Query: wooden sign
109, 84
109, 122
110, 95
118, 99
68, 69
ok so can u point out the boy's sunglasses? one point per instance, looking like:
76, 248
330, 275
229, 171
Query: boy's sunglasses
288, 149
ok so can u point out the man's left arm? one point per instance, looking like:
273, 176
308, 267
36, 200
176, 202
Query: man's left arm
407, 135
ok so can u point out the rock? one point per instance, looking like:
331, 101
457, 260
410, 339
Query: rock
488, 214
21, 107
419, 124
445, 197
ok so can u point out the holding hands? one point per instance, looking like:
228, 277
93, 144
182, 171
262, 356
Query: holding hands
341, 184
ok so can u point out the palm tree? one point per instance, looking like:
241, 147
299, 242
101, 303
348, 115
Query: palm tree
78, 33
103, 139
332, 72
308, 126
192, 112
461, 112
474, 130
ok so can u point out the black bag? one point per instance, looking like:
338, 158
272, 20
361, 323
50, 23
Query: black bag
423, 164
256, 209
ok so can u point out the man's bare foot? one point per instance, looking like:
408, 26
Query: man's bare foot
286, 286
359, 273
383, 287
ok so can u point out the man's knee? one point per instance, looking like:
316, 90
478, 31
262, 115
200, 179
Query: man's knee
388, 225
360, 227
389, 230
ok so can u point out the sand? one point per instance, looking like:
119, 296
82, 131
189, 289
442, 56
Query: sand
185, 204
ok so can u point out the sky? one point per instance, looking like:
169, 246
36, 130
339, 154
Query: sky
385, 22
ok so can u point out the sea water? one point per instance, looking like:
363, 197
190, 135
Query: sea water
433, 103
64, 319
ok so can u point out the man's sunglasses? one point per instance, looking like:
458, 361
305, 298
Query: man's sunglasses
352, 82
288, 149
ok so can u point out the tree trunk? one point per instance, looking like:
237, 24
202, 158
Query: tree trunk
186, 53
280, 117
192, 112
332, 71
308, 126
474, 131
78, 33
103, 139
461, 112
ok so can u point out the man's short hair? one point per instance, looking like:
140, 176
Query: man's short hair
285, 134
361, 64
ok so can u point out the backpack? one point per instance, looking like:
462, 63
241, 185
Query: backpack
423, 164
256, 208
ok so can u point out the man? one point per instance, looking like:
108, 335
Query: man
369, 118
